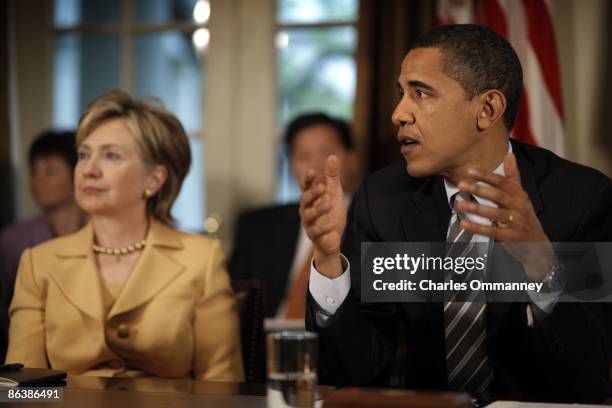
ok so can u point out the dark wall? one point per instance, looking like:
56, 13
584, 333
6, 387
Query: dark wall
6, 176
386, 29
605, 127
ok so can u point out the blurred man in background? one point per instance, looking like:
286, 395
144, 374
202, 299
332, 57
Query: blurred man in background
270, 244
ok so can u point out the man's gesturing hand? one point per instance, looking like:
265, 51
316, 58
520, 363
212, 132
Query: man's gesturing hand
516, 224
323, 213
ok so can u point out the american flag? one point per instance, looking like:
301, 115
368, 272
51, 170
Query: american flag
528, 26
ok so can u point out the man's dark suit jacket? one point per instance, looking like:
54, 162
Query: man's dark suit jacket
265, 244
565, 357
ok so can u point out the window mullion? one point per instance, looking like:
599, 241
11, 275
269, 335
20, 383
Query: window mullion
321, 24
127, 46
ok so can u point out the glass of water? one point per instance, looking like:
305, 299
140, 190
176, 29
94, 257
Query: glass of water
292, 369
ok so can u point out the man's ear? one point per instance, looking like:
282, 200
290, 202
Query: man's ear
491, 108
157, 178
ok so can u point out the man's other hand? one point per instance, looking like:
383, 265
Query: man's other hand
323, 213
515, 223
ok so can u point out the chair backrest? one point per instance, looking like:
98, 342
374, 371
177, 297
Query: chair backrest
250, 303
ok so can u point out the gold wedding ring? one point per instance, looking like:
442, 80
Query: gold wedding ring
507, 224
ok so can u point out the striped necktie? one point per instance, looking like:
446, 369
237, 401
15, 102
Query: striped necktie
467, 362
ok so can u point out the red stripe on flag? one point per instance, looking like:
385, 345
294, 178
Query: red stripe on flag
521, 130
490, 14
438, 21
443, 20
542, 39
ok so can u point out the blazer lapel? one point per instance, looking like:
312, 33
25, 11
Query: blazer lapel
154, 270
425, 215
425, 212
77, 277
496, 311
529, 176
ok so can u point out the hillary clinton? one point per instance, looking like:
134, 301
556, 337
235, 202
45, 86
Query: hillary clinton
128, 295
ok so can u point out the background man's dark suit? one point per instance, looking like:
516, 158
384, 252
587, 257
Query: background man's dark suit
565, 357
265, 245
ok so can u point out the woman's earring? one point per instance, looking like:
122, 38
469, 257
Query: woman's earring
147, 194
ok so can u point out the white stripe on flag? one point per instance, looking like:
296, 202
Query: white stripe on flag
544, 121
455, 11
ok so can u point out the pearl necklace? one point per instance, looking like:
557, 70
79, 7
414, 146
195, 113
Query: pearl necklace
133, 247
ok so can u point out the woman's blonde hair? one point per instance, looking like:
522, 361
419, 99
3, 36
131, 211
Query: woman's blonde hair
159, 136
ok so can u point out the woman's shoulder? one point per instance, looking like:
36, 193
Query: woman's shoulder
32, 230
199, 243
166, 235
71, 244
195, 251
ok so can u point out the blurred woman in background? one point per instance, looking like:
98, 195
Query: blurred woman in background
52, 158
128, 295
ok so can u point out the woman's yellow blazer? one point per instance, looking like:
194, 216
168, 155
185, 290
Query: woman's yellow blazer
174, 317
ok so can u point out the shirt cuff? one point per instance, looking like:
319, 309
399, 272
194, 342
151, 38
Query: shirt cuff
545, 302
330, 293
539, 308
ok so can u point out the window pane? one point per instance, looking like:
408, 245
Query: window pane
157, 11
316, 11
75, 12
85, 66
317, 72
189, 208
168, 66
66, 81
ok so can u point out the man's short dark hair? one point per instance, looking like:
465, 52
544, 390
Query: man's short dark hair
302, 122
479, 59
54, 143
